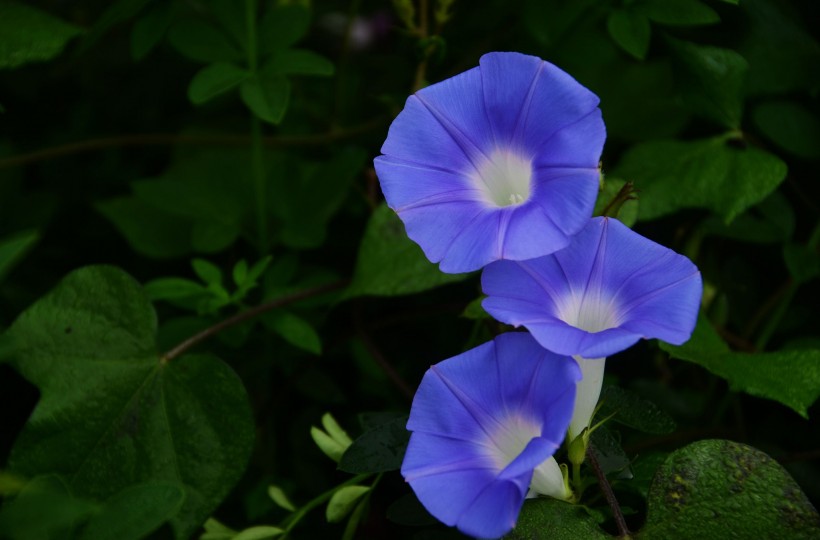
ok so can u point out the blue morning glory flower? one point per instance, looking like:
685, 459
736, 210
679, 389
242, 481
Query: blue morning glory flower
609, 288
485, 425
498, 162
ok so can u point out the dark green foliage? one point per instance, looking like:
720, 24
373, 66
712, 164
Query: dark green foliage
719, 489
218, 155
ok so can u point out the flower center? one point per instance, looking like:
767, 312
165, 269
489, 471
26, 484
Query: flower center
504, 178
591, 312
508, 442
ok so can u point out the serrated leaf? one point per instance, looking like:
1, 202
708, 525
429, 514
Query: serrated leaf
723, 489
13, 248
215, 80
294, 329
89, 347
790, 377
343, 501
634, 411
379, 450
281, 500
260, 532
719, 174
390, 264
711, 81
678, 12
149, 29
31, 35
790, 126
630, 30
135, 512
551, 519
266, 95
203, 42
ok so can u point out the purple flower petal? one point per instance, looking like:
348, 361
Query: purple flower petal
482, 422
514, 144
607, 289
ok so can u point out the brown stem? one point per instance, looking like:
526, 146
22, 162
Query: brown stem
239, 318
377, 355
421, 69
164, 139
623, 530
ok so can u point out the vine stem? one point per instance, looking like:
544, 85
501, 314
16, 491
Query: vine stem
295, 518
421, 69
172, 139
623, 530
196, 339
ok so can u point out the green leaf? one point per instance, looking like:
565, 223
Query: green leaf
634, 411
475, 310
719, 174
89, 347
343, 501
172, 288
723, 489
30, 35
281, 500
114, 14
294, 329
266, 95
779, 47
551, 519
260, 532
771, 221
135, 512
611, 457
240, 272
207, 271
306, 196
802, 261
790, 377
203, 42
281, 27
380, 449
214, 80
628, 212
13, 248
43, 510
678, 12
630, 30
790, 126
150, 231
711, 81
390, 264
299, 62
149, 29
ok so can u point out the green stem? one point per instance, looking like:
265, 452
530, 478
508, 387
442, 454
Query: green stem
782, 307
295, 518
577, 482
257, 163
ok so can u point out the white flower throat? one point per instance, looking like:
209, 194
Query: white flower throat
504, 178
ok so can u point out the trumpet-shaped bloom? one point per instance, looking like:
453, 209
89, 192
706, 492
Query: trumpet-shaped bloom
485, 424
498, 162
606, 290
